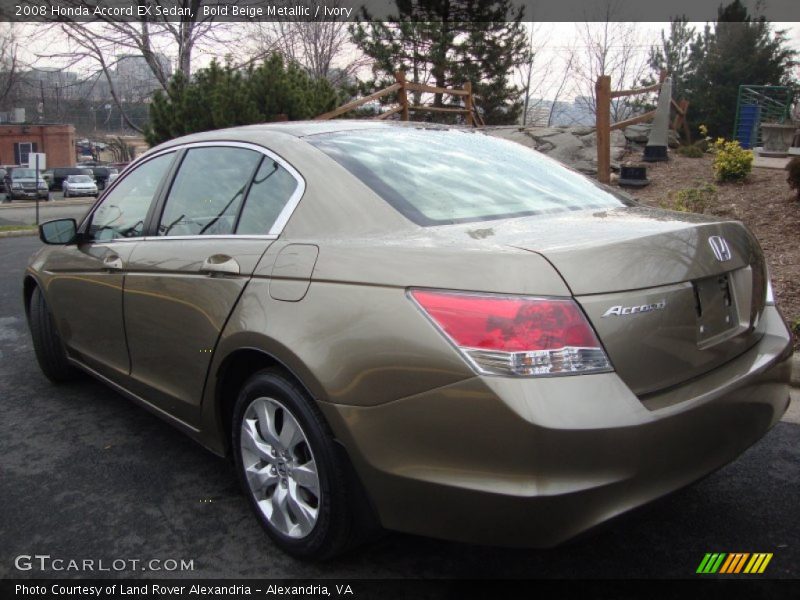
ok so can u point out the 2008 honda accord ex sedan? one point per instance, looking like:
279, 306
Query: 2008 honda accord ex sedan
416, 328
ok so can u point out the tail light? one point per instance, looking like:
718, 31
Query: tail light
516, 335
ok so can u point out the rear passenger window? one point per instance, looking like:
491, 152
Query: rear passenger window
208, 191
272, 188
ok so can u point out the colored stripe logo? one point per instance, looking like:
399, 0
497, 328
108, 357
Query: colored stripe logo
734, 563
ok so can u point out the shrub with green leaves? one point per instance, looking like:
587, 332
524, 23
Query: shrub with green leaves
690, 151
731, 161
794, 175
225, 96
694, 199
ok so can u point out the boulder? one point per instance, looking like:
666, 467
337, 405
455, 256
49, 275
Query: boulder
673, 140
576, 147
638, 133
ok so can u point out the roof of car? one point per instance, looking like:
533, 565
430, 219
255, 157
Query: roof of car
282, 133
306, 128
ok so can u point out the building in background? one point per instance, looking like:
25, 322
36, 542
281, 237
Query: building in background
57, 141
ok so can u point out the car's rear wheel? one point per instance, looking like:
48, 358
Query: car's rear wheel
47, 343
290, 468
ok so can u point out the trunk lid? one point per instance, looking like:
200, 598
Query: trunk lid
671, 295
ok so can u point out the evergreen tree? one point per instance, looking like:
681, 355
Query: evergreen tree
222, 96
446, 43
672, 55
739, 50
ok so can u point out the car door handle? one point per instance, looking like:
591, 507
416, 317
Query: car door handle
112, 262
220, 264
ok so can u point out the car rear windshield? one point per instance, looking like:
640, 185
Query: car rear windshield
445, 176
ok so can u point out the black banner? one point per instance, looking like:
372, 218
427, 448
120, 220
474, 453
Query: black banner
383, 10
360, 589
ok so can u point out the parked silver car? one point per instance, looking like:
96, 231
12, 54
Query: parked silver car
79, 185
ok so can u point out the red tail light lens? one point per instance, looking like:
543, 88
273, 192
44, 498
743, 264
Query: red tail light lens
516, 335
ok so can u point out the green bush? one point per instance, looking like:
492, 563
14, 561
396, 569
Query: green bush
690, 151
794, 175
731, 161
225, 96
694, 199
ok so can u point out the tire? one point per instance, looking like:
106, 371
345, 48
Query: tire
316, 521
47, 343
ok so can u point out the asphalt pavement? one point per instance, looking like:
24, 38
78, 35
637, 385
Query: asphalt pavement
85, 474
19, 212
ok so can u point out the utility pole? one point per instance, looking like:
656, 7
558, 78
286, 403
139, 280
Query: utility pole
41, 93
37, 188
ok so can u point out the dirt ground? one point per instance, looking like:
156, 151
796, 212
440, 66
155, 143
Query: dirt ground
763, 202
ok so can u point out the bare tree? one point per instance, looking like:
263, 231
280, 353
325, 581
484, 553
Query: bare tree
157, 41
9, 62
545, 77
610, 48
568, 61
323, 48
536, 72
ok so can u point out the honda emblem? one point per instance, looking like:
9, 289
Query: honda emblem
720, 247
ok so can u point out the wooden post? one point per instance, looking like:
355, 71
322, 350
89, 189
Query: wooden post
402, 97
684, 104
468, 103
603, 125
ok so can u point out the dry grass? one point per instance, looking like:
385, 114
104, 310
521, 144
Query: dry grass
763, 202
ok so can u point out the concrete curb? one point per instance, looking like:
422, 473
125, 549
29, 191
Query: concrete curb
45, 203
18, 233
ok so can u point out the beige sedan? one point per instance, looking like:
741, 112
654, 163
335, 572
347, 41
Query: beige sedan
415, 328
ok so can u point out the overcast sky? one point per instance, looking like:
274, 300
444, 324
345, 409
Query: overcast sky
554, 40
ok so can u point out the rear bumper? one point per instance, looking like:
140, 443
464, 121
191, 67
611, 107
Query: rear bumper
23, 194
526, 462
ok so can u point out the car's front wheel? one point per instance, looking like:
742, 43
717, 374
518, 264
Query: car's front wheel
290, 468
47, 343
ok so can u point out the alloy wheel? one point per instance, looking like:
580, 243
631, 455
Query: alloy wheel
280, 468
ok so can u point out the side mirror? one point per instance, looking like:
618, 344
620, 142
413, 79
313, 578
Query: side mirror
59, 231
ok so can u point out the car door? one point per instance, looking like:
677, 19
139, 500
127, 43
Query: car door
85, 280
216, 221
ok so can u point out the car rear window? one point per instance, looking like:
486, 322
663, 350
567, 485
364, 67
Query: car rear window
445, 176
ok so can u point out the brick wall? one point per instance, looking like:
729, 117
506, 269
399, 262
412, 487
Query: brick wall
56, 141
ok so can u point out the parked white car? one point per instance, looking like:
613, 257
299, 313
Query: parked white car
79, 185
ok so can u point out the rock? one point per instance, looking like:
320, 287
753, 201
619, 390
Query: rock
514, 134
673, 140
581, 131
638, 133
576, 147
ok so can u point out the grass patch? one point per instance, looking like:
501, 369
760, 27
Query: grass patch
17, 227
